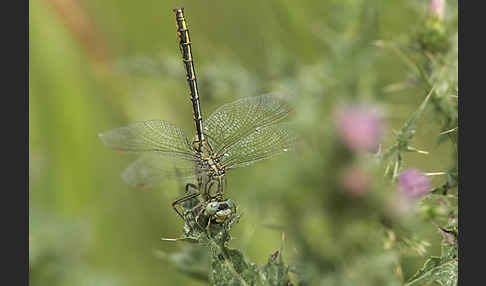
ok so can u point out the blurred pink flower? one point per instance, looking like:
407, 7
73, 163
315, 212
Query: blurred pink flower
436, 7
355, 180
413, 183
359, 127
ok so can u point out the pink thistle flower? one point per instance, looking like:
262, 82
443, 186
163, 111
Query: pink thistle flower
413, 183
360, 128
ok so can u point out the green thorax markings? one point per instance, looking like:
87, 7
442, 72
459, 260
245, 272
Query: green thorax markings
211, 161
186, 50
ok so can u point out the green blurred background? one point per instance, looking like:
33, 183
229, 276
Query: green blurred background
98, 65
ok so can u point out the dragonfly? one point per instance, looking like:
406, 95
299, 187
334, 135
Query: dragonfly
235, 135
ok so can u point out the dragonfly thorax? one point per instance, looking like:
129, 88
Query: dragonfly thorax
210, 161
212, 164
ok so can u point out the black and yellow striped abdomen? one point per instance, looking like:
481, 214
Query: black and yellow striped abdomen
186, 50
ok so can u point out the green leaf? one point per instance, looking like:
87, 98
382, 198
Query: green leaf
223, 265
407, 132
442, 270
231, 267
436, 270
275, 271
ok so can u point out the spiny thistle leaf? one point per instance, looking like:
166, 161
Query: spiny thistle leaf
276, 272
442, 270
231, 267
408, 130
226, 266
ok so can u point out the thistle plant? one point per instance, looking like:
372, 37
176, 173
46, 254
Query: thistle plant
369, 205
369, 196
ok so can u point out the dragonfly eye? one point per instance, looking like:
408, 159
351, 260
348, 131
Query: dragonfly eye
229, 202
212, 208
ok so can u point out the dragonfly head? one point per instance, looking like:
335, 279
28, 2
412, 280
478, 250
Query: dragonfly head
219, 211
212, 208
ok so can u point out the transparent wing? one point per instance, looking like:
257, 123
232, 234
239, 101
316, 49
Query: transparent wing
234, 120
260, 145
152, 135
154, 167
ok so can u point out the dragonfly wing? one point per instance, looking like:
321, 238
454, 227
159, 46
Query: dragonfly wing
151, 135
260, 145
237, 119
154, 167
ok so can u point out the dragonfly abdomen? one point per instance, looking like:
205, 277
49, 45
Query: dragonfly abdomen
186, 50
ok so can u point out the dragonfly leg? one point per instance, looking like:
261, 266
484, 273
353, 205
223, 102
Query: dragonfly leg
225, 185
207, 189
208, 231
185, 198
219, 189
191, 185
221, 186
194, 208
199, 215
207, 228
